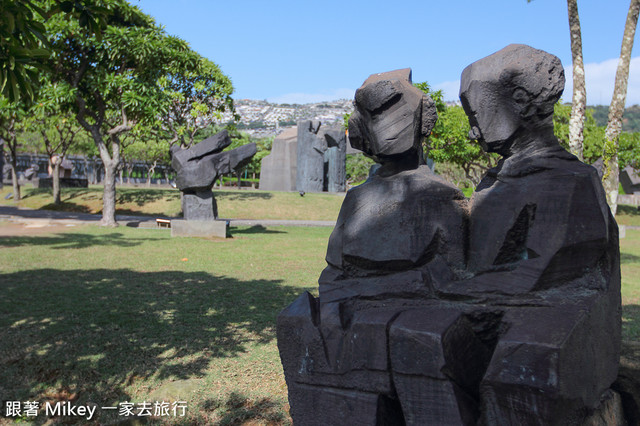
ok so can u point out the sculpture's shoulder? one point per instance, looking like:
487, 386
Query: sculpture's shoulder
419, 180
379, 195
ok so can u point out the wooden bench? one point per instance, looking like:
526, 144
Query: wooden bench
163, 223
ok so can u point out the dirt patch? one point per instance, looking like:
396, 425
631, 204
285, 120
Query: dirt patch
14, 229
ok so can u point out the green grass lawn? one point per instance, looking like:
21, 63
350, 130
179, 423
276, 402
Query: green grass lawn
630, 268
103, 316
232, 203
628, 215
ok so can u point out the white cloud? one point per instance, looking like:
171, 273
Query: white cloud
600, 78
306, 98
450, 90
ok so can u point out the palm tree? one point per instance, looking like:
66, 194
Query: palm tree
614, 124
579, 101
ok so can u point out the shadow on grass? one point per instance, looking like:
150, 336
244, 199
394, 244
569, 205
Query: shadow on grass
32, 192
628, 210
63, 241
631, 322
628, 258
242, 195
129, 212
143, 196
256, 229
66, 206
239, 409
92, 332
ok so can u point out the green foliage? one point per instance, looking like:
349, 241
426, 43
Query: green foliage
144, 143
449, 140
630, 118
435, 95
115, 74
345, 121
629, 143
197, 95
358, 166
593, 134
22, 48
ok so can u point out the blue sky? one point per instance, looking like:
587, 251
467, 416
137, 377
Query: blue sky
297, 51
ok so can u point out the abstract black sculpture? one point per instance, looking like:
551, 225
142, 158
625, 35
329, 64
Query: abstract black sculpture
320, 158
198, 168
433, 312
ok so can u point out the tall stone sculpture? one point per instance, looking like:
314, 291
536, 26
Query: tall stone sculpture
321, 158
434, 312
311, 148
335, 160
197, 169
278, 170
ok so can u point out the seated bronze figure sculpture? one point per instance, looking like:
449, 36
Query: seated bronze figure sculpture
503, 310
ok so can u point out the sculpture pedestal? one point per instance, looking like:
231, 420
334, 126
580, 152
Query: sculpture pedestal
199, 228
199, 204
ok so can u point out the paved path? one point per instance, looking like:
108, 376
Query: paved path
25, 215
17, 214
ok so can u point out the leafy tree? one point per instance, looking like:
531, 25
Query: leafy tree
198, 92
56, 125
614, 126
21, 48
357, 168
116, 77
24, 47
449, 140
12, 113
263, 148
148, 145
594, 137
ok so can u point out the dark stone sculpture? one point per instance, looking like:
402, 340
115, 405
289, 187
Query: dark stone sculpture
321, 158
310, 155
198, 168
335, 160
630, 180
434, 312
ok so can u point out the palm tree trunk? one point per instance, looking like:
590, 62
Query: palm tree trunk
614, 124
579, 100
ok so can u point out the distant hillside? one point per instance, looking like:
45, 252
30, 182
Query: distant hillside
262, 118
630, 119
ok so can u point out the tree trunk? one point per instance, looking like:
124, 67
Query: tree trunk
614, 124
56, 180
14, 179
579, 101
150, 171
109, 195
